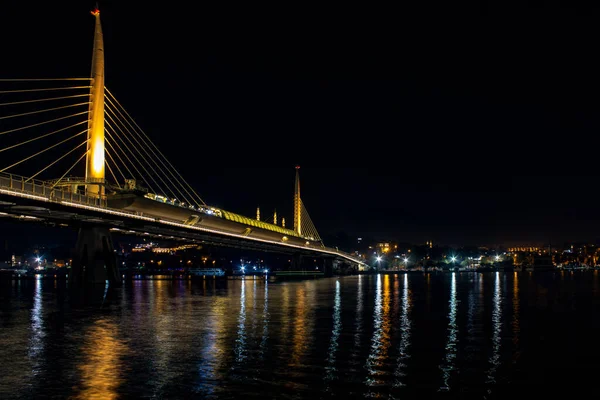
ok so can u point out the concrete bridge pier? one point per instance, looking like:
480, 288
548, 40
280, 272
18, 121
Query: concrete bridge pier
94, 261
297, 262
328, 266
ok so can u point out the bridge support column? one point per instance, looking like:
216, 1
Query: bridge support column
94, 261
328, 266
297, 262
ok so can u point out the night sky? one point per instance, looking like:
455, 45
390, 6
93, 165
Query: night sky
471, 125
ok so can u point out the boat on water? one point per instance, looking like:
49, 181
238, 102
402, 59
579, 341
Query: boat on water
207, 272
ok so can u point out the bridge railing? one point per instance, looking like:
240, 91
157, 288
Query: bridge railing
34, 188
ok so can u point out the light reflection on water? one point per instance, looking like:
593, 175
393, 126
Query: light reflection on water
330, 369
405, 325
497, 328
240, 347
265, 320
36, 346
358, 321
377, 374
516, 326
212, 352
100, 371
300, 335
359, 336
448, 367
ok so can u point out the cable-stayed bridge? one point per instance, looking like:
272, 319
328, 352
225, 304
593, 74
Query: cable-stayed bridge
71, 154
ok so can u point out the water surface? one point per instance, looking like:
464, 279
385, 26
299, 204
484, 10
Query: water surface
416, 335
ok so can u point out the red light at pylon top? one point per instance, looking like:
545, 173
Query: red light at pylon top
297, 167
95, 12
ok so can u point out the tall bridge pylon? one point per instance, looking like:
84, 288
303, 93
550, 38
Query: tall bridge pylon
297, 204
303, 225
94, 168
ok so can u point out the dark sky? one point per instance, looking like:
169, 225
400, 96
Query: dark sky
458, 124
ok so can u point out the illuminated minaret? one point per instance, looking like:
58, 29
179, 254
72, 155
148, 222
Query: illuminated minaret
258, 213
275, 217
283, 222
94, 168
297, 205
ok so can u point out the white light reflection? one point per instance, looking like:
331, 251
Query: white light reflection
470, 317
497, 327
358, 320
240, 342
212, 351
330, 370
405, 327
376, 329
380, 342
449, 362
36, 343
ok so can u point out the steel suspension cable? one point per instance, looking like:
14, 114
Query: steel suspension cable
41, 136
69, 170
43, 151
43, 123
148, 174
157, 149
148, 156
128, 159
110, 169
138, 150
116, 165
55, 161
46, 110
108, 142
308, 225
153, 158
44, 89
42, 79
12, 103
113, 175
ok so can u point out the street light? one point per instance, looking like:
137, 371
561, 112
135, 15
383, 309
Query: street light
378, 259
406, 263
453, 259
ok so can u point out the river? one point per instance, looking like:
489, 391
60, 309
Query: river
393, 336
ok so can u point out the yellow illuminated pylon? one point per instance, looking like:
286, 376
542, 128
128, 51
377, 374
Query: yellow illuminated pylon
94, 168
297, 205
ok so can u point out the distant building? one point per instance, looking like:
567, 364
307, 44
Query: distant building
385, 247
529, 249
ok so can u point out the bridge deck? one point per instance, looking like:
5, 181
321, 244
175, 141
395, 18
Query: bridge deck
68, 206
